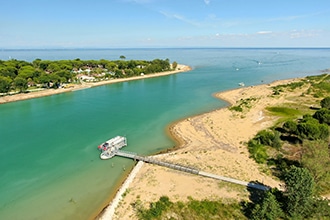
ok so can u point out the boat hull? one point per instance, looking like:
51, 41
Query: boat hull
110, 147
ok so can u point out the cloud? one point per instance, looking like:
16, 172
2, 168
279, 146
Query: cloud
295, 17
304, 33
264, 32
207, 2
180, 18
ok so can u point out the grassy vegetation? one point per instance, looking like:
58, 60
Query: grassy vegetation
193, 209
243, 104
303, 142
284, 111
299, 125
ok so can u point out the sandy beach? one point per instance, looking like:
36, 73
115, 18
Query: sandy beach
48, 92
212, 142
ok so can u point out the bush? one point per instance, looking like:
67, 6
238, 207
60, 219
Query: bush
308, 131
156, 208
257, 151
276, 142
322, 115
290, 127
265, 137
269, 208
299, 192
325, 103
236, 108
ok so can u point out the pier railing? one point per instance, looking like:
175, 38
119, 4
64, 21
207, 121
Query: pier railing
152, 160
186, 169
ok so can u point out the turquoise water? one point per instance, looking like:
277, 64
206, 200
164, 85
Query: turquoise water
49, 163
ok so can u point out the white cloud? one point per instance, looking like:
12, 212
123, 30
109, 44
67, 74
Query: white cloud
264, 32
304, 33
180, 18
207, 2
295, 17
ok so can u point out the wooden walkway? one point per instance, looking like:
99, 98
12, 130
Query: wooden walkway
191, 170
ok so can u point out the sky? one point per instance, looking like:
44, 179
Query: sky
43, 24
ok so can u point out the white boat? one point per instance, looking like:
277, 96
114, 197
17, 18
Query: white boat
111, 146
241, 84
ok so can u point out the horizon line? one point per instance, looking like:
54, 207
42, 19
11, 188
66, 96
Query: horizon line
134, 48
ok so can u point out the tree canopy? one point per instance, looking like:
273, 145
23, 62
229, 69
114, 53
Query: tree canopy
299, 192
325, 103
18, 75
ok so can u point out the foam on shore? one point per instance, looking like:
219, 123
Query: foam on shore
109, 212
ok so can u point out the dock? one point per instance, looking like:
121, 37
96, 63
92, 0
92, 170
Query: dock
191, 170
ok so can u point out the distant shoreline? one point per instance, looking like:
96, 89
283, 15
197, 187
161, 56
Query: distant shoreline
48, 92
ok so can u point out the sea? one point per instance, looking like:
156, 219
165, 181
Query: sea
49, 162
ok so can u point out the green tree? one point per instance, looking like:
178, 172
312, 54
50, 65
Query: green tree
308, 130
269, 208
325, 103
308, 118
174, 65
257, 151
299, 191
20, 84
322, 115
43, 78
43, 64
265, 137
324, 132
122, 57
9, 71
276, 142
54, 78
53, 67
315, 158
290, 127
5, 83
26, 72
65, 75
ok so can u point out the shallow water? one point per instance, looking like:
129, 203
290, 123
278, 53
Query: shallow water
49, 163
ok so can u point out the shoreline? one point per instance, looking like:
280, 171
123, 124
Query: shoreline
184, 145
48, 92
109, 211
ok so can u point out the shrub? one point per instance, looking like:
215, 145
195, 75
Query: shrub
269, 208
265, 137
236, 108
308, 131
257, 151
290, 127
299, 192
276, 142
322, 115
325, 103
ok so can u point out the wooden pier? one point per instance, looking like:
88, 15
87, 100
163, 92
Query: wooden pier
186, 169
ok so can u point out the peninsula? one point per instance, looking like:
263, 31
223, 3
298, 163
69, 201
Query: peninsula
20, 80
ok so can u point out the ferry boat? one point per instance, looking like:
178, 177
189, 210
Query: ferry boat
111, 146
